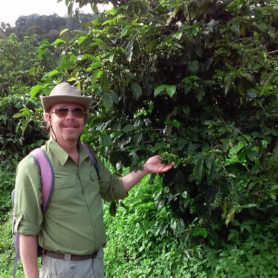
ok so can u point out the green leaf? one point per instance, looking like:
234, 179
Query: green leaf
82, 39
275, 151
264, 143
124, 31
198, 169
159, 89
251, 155
107, 22
24, 112
111, 57
128, 128
200, 232
112, 11
63, 31
104, 82
274, 188
240, 208
209, 160
106, 140
94, 66
87, 56
233, 153
96, 76
137, 90
193, 67
200, 94
53, 73
151, 46
35, 90
129, 51
228, 83
230, 216
170, 90
71, 79
272, 196
177, 35
176, 123
107, 100
95, 9
58, 42
115, 97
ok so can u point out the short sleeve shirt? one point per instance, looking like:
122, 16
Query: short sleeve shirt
73, 221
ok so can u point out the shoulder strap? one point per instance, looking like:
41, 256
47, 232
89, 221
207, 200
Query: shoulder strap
47, 182
16, 260
91, 157
47, 175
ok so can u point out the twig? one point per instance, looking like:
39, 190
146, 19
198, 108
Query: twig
272, 52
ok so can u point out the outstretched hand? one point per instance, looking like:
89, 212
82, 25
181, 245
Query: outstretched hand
154, 165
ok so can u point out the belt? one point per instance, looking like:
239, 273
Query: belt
69, 257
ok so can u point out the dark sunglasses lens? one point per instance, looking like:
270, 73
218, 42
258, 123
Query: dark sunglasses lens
78, 112
61, 111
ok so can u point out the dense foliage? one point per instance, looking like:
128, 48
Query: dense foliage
195, 81
140, 243
20, 68
143, 242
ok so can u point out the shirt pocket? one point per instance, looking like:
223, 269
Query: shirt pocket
65, 180
66, 189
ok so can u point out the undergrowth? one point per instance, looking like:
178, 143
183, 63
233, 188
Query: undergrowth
142, 242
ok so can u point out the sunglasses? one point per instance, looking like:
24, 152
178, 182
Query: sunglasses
62, 112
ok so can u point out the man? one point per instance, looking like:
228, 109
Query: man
71, 231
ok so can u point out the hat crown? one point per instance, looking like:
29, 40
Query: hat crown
65, 89
65, 93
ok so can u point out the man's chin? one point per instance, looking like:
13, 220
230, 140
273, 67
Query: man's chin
72, 137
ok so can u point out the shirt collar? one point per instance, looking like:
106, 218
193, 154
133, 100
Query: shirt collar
83, 154
62, 155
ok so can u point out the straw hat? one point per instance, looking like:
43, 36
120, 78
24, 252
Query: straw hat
64, 93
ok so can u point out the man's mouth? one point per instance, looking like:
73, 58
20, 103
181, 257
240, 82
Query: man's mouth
70, 126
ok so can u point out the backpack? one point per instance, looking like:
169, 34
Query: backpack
47, 186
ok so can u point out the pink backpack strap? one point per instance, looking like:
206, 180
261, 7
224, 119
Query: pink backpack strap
47, 175
91, 157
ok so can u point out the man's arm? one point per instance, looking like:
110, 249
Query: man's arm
152, 165
28, 247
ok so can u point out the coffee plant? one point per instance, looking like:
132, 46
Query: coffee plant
194, 81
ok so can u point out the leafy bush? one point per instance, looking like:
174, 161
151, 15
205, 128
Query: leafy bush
142, 242
194, 81
145, 240
22, 65
6, 186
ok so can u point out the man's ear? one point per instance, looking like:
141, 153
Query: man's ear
46, 116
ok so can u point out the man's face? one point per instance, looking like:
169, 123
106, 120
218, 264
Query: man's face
67, 121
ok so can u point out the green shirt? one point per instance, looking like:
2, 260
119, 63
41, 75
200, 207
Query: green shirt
73, 221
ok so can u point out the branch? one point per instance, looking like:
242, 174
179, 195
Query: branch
273, 52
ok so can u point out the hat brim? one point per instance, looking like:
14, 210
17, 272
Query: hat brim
49, 101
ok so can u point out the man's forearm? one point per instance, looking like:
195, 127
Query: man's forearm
28, 247
133, 178
153, 165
